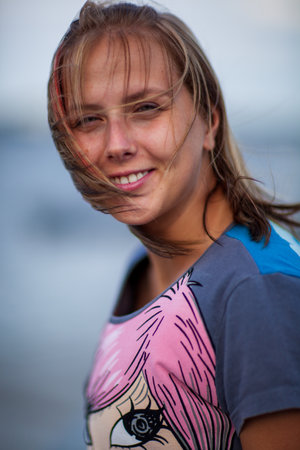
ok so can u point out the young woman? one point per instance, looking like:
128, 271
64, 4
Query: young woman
202, 349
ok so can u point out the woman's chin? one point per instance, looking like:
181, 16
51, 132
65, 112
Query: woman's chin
133, 218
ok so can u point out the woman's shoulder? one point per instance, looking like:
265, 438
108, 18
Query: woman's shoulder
239, 273
280, 254
236, 258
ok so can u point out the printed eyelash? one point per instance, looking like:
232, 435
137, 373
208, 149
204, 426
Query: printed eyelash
154, 418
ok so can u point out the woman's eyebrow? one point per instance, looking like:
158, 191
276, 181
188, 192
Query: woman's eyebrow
146, 94
143, 94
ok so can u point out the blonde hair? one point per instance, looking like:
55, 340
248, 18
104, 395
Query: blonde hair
120, 20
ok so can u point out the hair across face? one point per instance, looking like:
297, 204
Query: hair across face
123, 22
143, 134
119, 26
186, 65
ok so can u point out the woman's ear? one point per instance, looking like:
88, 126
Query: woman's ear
209, 140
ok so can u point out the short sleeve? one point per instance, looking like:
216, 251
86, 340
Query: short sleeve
258, 348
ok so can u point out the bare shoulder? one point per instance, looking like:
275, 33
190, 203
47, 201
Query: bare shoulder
276, 431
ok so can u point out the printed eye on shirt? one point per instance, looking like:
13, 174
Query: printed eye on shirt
146, 388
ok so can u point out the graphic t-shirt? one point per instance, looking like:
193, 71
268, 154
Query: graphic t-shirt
217, 347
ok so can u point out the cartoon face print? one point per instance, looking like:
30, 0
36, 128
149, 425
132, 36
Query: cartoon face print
137, 422
153, 381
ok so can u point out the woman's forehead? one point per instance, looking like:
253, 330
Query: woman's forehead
126, 63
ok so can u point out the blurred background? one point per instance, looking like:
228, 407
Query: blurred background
61, 262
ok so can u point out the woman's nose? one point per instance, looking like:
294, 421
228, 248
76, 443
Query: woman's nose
119, 142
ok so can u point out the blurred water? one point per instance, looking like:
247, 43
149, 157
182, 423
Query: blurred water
61, 266
58, 257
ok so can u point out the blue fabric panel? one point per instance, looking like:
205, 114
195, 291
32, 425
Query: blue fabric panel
275, 257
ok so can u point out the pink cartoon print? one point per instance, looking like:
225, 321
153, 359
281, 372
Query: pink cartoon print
153, 380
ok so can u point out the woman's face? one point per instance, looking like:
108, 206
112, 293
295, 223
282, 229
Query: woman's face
134, 145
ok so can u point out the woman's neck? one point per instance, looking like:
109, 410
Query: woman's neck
162, 272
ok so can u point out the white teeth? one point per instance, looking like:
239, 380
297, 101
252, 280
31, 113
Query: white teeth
124, 180
132, 178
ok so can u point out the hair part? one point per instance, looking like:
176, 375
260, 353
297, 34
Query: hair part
121, 21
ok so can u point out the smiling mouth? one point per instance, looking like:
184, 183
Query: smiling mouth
132, 178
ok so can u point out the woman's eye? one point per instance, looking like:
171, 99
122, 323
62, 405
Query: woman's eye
136, 427
146, 107
86, 122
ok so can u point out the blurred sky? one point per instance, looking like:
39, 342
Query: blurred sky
253, 46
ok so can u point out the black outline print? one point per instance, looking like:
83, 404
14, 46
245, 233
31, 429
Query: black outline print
143, 424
